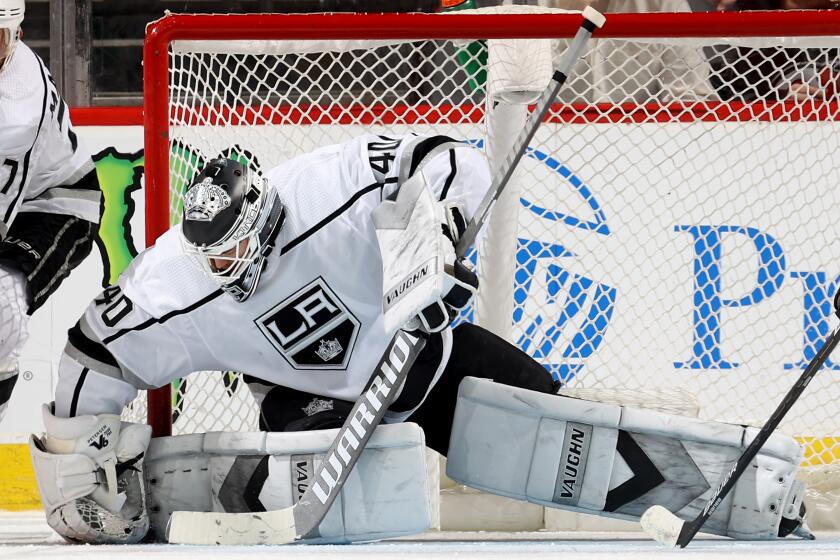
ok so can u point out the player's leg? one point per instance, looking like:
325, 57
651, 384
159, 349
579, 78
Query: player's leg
45, 248
576, 453
616, 461
39, 251
476, 352
13, 330
288, 410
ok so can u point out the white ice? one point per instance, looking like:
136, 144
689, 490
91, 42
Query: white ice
26, 535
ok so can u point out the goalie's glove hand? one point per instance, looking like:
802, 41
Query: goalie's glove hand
90, 475
459, 285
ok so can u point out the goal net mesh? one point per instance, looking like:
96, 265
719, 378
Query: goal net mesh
672, 227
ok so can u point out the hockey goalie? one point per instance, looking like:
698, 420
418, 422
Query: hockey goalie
288, 277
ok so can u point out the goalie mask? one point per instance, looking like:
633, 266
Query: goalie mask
231, 221
11, 16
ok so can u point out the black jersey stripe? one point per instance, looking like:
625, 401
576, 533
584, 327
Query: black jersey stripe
424, 147
6, 387
61, 107
25, 172
90, 347
454, 170
79, 383
163, 318
88, 182
338, 211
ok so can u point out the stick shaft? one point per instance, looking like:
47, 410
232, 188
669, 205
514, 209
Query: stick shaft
536, 117
357, 429
690, 529
336, 466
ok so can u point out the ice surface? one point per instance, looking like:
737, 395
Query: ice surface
26, 535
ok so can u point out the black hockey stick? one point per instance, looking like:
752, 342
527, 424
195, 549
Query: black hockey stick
297, 521
591, 20
672, 531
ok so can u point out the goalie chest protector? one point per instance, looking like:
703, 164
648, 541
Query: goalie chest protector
386, 495
617, 461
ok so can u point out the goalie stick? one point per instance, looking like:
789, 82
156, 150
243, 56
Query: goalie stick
672, 531
299, 520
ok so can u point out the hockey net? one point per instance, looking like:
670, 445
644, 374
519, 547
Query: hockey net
671, 232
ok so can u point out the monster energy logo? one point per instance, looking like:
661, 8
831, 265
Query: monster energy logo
119, 175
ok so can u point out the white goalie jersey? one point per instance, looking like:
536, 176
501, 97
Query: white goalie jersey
43, 167
315, 321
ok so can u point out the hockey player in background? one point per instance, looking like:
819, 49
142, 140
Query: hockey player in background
49, 193
282, 277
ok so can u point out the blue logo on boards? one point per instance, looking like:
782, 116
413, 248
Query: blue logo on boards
772, 272
589, 304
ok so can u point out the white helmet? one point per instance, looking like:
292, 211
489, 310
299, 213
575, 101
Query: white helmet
11, 16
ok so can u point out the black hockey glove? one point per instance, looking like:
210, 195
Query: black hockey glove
460, 284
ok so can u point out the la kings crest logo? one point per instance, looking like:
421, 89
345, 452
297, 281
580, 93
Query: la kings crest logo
312, 329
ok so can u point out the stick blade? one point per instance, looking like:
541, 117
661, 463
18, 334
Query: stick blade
662, 525
209, 528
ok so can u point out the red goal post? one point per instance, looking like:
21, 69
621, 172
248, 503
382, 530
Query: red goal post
698, 351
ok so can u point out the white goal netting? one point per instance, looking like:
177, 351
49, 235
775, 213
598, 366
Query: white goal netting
673, 226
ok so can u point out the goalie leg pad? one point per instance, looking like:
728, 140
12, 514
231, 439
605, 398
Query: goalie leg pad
616, 461
386, 495
13, 330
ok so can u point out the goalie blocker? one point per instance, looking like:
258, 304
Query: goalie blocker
614, 461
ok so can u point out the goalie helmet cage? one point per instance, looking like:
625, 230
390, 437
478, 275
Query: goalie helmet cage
671, 230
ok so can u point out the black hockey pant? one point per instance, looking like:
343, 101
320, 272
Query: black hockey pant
476, 352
